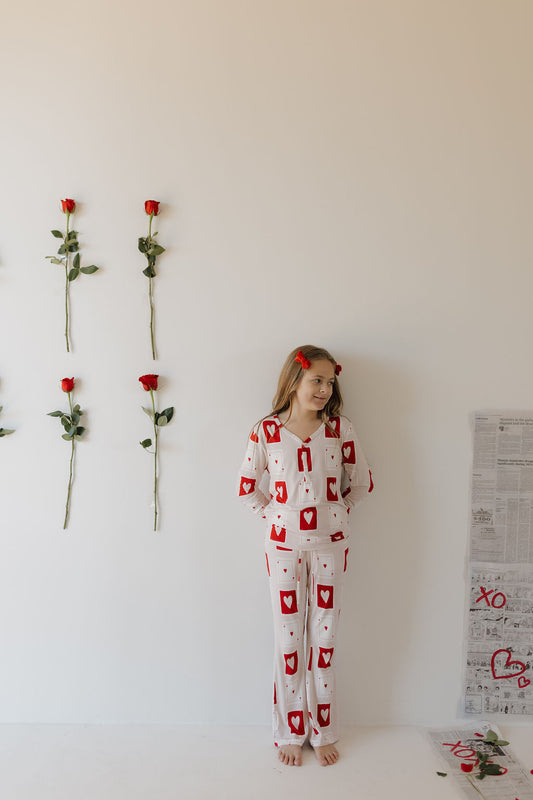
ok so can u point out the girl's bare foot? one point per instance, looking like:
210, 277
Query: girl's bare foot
290, 754
327, 754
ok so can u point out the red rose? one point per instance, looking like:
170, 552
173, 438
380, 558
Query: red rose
68, 206
467, 767
149, 382
67, 384
152, 207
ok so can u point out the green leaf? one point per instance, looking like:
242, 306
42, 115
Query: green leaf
492, 769
72, 248
73, 274
62, 249
148, 411
89, 270
442, 774
80, 430
75, 418
156, 250
73, 235
162, 420
72, 430
149, 272
501, 743
57, 234
6, 431
54, 260
66, 437
76, 261
146, 443
66, 422
169, 413
77, 409
491, 736
142, 245
55, 414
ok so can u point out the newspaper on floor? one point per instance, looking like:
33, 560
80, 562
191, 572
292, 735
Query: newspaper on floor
459, 746
499, 627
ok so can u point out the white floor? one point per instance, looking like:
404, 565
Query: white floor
91, 762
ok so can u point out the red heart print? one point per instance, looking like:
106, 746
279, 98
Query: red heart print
523, 682
499, 672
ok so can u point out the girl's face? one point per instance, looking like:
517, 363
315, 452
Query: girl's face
316, 386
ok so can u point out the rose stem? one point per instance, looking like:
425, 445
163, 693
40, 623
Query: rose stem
67, 507
151, 318
66, 285
155, 461
150, 292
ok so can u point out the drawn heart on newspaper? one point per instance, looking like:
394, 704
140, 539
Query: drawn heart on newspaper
501, 670
523, 682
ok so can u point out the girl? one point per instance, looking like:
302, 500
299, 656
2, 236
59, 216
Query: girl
317, 473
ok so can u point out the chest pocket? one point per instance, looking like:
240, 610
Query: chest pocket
332, 457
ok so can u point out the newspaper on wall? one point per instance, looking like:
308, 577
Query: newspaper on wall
499, 630
459, 746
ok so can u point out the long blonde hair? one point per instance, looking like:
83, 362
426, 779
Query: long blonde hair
291, 375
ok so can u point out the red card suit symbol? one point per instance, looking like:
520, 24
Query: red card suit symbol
296, 722
271, 432
304, 459
348, 453
505, 670
322, 712
336, 537
281, 491
324, 596
247, 486
331, 491
325, 655
291, 663
335, 423
523, 682
308, 519
288, 601
278, 534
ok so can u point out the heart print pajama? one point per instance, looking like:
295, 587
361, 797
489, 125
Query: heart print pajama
313, 485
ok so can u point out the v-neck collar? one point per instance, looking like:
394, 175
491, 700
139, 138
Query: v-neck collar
295, 435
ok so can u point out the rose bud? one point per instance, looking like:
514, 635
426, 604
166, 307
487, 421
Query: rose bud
149, 382
467, 767
152, 207
67, 384
68, 206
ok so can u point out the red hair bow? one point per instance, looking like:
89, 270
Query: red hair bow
301, 359
338, 369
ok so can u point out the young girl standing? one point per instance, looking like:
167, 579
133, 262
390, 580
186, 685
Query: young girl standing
317, 473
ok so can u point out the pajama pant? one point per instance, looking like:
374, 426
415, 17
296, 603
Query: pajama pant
305, 586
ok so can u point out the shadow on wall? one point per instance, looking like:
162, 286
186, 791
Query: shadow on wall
382, 587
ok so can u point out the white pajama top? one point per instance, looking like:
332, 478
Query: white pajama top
313, 484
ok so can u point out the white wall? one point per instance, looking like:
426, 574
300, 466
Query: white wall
352, 174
